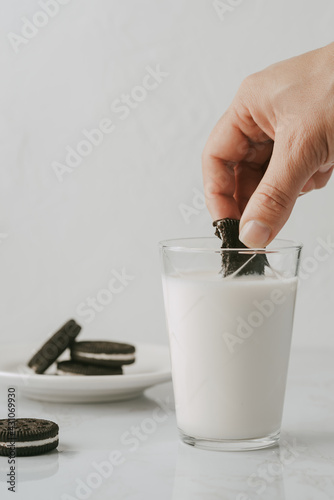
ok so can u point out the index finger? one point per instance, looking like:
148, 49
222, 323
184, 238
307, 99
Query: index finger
232, 140
219, 158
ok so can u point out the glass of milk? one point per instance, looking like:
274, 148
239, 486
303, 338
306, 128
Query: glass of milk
230, 342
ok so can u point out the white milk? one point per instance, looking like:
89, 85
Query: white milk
230, 344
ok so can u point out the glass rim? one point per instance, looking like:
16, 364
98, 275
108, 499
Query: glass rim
171, 244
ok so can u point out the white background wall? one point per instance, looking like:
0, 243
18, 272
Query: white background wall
60, 241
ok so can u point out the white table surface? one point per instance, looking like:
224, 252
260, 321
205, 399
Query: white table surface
156, 465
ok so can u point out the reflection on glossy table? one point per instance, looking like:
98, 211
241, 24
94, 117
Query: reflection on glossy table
130, 450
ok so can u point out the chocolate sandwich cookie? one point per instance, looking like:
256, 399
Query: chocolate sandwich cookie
54, 347
27, 436
103, 353
76, 368
246, 263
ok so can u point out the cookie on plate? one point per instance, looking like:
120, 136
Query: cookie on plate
103, 353
75, 368
54, 347
27, 436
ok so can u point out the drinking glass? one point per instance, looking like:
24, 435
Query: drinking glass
229, 340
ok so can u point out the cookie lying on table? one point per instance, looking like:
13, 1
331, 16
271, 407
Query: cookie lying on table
27, 436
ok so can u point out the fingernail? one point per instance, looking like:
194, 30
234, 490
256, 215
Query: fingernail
325, 168
255, 234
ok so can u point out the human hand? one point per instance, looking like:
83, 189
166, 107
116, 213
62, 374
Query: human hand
274, 142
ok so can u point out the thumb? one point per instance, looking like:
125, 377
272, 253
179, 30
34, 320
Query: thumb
272, 202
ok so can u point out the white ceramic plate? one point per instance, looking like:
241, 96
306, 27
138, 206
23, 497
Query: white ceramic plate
152, 366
